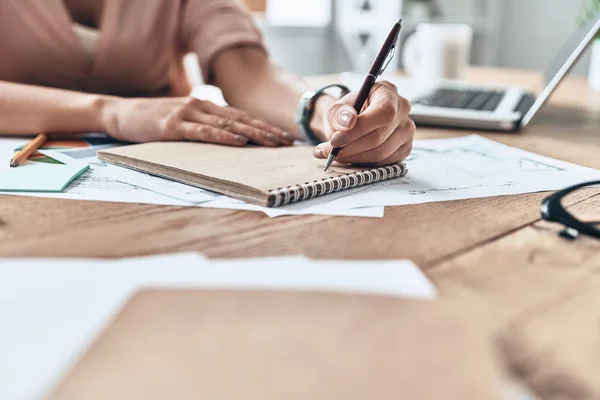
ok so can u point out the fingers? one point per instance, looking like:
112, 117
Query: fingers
209, 134
400, 155
376, 148
383, 108
341, 115
388, 153
268, 133
369, 142
383, 105
286, 137
253, 134
382, 133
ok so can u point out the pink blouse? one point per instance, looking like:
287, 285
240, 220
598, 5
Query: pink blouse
139, 49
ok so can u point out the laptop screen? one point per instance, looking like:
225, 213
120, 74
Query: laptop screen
564, 61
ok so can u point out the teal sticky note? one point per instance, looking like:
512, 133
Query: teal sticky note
40, 177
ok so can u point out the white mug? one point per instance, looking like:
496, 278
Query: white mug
438, 51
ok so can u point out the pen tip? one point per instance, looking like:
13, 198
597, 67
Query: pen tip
329, 161
14, 163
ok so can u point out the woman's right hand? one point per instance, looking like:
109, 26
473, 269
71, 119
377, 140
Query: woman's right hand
188, 118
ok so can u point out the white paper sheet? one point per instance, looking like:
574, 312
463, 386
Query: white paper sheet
158, 185
468, 167
52, 309
317, 206
7, 149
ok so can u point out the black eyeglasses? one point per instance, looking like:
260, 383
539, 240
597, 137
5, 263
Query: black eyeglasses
554, 210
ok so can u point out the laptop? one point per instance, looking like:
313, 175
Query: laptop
459, 104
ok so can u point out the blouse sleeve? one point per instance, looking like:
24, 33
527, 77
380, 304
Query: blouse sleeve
211, 26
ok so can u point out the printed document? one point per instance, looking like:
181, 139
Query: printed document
468, 167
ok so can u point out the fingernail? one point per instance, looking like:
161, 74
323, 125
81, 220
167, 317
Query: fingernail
345, 118
273, 139
241, 140
318, 153
289, 137
339, 140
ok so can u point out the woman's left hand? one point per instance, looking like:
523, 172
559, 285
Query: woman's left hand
382, 134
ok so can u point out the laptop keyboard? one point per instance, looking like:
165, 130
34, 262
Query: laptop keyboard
467, 99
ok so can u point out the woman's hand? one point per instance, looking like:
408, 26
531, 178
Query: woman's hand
187, 118
382, 134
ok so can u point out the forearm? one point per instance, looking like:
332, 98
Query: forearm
26, 110
251, 83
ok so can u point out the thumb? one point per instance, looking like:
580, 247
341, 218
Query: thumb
341, 116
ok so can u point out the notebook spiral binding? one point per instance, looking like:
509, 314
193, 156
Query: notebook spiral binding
309, 190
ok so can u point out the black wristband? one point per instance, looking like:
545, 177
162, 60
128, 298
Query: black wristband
306, 109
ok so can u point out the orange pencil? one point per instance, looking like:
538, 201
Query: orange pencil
28, 150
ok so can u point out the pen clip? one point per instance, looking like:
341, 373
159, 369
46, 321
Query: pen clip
389, 60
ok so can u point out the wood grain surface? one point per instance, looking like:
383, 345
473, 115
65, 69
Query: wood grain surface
539, 291
541, 294
285, 345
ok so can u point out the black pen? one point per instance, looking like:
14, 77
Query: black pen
379, 65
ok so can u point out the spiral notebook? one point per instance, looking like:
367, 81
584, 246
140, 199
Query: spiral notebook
268, 177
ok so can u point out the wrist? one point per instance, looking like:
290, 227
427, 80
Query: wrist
106, 113
312, 110
317, 122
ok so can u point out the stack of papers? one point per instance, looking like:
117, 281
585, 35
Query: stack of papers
51, 310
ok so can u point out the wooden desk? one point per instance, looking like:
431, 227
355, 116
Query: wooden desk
494, 252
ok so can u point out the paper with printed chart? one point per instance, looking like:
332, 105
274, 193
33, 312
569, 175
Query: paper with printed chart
467, 167
51, 310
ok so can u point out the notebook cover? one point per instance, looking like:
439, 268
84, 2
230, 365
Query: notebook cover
267, 345
264, 176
